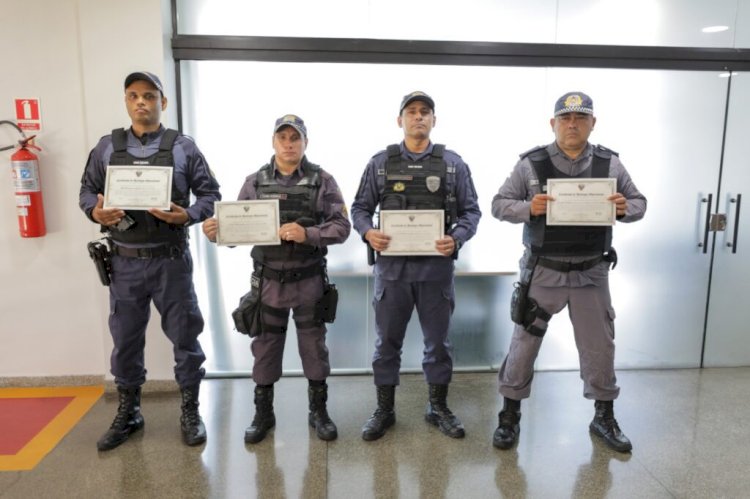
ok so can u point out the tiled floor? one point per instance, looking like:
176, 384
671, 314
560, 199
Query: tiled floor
689, 429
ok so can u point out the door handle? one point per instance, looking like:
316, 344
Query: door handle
704, 244
737, 203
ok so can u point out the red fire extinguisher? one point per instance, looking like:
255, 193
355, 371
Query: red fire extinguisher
28, 186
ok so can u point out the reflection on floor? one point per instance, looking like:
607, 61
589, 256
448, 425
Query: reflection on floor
687, 426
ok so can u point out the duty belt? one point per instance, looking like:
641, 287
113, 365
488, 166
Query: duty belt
291, 275
145, 253
569, 266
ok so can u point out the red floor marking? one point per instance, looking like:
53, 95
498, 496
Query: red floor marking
21, 419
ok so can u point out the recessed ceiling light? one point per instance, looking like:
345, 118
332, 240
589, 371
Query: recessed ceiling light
714, 29
726, 74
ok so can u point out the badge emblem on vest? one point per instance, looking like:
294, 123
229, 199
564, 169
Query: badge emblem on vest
399, 187
433, 183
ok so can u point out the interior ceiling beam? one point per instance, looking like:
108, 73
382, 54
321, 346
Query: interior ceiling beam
354, 50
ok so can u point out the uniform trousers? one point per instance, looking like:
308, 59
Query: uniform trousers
169, 283
592, 316
268, 347
394, 302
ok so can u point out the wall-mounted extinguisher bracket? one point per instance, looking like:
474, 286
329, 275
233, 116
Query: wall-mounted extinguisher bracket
28, 187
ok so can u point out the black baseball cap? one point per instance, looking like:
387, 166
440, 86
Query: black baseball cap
144, 76
417, 95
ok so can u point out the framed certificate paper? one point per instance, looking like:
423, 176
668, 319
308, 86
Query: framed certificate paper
581, 201
134, 187
413, 232
247, 222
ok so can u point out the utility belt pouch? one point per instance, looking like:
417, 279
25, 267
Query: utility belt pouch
247, 314
102, 257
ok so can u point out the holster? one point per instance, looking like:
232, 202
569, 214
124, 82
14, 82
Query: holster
246, 316
325, 308
519, 302
102, 256
523, 309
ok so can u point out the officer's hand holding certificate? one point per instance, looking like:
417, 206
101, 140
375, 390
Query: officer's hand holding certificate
581, 201
247, 222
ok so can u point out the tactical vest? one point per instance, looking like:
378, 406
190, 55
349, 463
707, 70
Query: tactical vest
566, 240
425, 185
297, 203
148, 228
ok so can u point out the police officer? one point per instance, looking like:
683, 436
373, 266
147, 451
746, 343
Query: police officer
151, 259
313, 216
415, 174
566, 265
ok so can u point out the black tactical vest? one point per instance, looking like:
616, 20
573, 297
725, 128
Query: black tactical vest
148, 228
297, 203
410, 185
566, 240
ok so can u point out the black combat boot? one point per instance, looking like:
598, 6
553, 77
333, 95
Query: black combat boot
317, 392
383, 417
506, 434
127, 420
264, 418
605, 425
191, 424
439, 415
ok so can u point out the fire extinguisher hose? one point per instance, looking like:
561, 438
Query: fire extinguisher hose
6, 122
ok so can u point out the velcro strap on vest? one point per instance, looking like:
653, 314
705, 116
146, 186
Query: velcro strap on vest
145, 253
291, 275
569, 266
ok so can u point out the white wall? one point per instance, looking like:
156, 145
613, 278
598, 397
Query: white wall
73, 55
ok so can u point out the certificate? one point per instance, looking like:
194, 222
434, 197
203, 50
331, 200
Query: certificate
138, 187
413, 232
247, 222
581, 201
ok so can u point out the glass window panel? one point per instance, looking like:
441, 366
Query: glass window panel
742, 25
601, 22
675, 23
480, 20
488, 115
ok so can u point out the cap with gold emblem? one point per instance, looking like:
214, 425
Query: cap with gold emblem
574, 102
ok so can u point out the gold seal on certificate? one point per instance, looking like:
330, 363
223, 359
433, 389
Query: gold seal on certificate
581, 201
247, 222
136, 187
413, 232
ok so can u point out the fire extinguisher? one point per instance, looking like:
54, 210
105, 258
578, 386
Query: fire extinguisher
28, 186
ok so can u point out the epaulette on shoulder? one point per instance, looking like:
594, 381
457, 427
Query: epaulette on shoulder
537, 149
604, 151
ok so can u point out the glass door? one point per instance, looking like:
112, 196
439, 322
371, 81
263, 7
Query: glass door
727, 332
667, 127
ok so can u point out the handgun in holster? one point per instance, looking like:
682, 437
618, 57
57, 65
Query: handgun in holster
102, 256
246, 317
325, 308
524, 310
